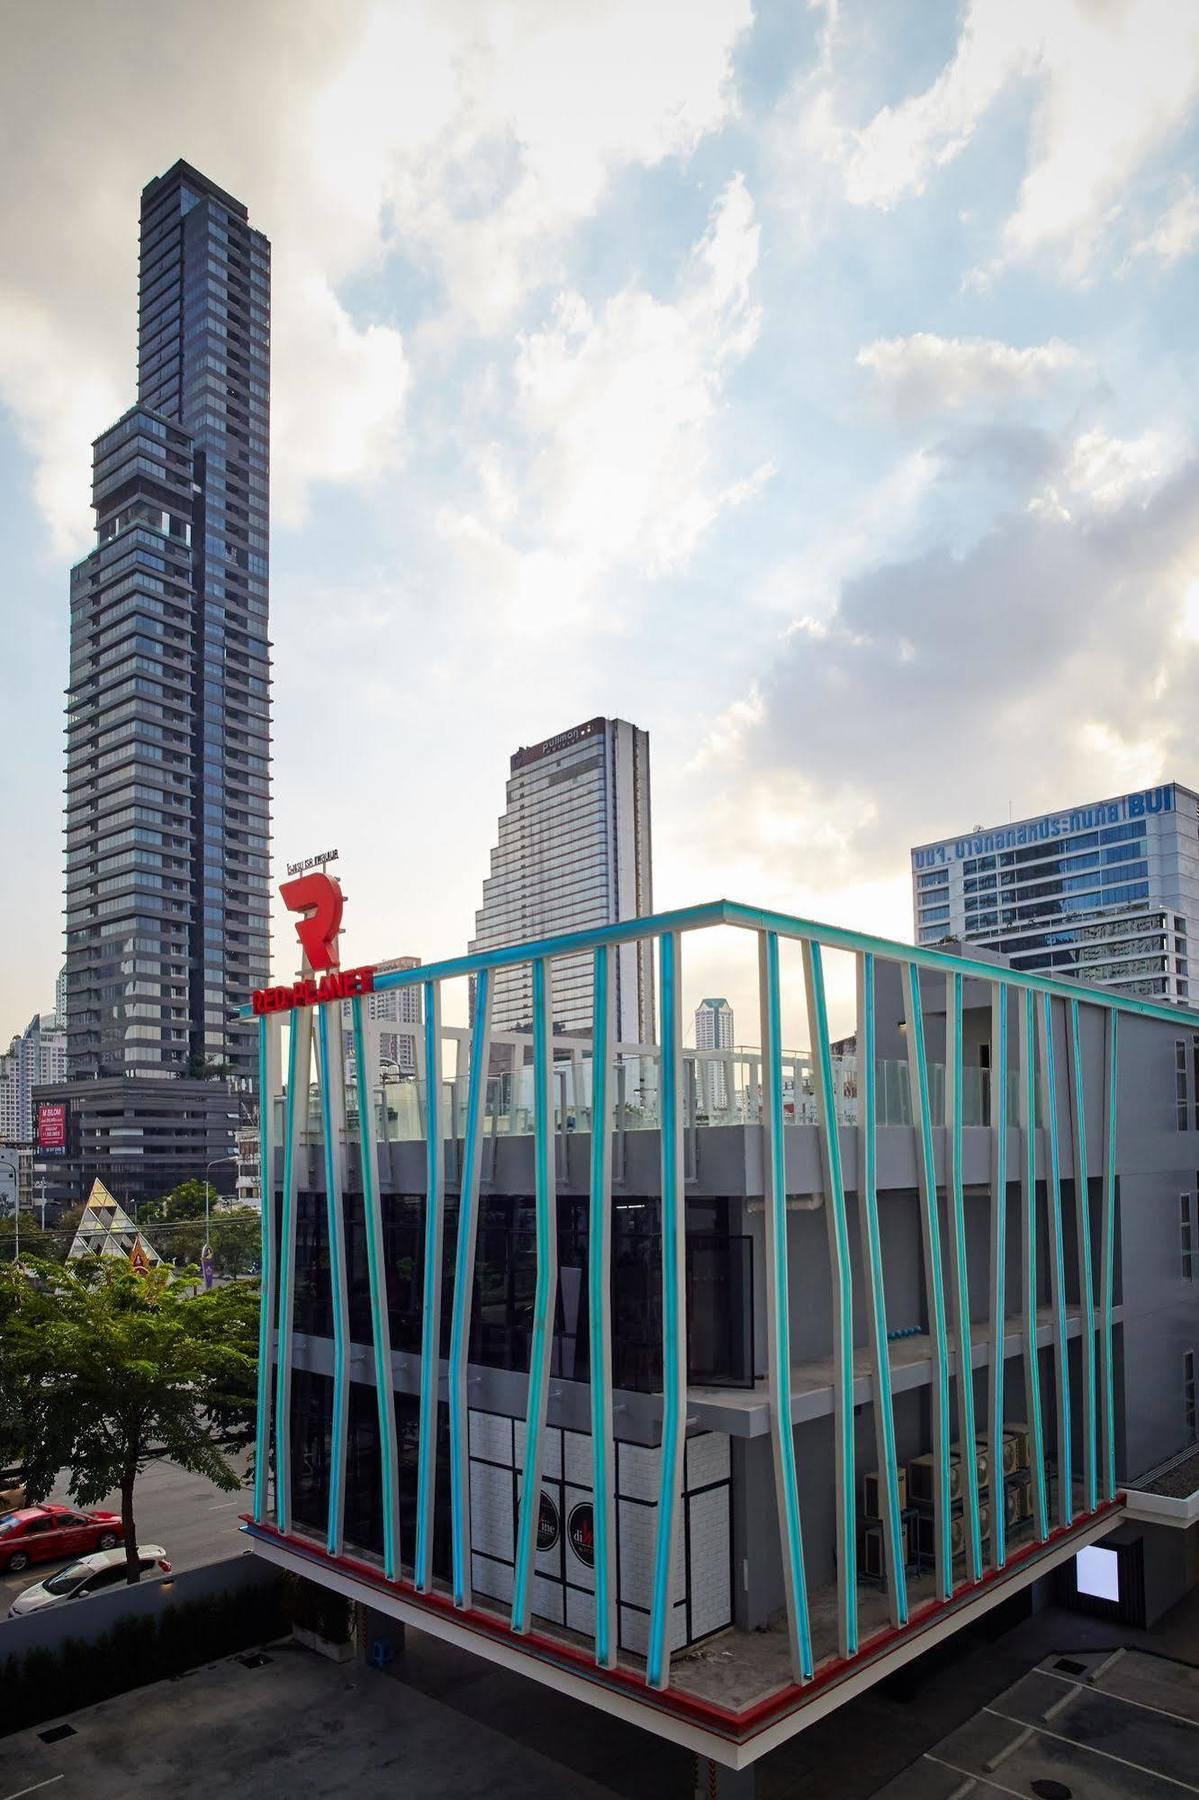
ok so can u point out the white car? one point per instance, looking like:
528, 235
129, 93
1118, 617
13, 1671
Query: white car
89, 1575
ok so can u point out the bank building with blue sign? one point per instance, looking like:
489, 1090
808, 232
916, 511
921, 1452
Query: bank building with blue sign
589, 1356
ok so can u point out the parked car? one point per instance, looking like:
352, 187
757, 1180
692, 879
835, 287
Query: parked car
46, 1533
90, 1575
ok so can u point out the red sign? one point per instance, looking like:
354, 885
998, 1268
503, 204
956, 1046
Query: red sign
318, 896
52, 1126
339, 984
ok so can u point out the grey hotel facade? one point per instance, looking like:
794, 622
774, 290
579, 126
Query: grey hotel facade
168, 718
812, 1376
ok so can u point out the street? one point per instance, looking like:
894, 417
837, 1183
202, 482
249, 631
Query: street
193, 1521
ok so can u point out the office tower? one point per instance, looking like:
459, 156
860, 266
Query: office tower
573, 851
60, 997
1107, 892
168, 712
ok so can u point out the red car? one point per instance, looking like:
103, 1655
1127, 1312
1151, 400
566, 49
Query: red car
42, 1533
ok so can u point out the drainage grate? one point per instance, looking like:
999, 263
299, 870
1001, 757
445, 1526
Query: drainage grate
1045, 1789
1069, 1667
255, 1660
56, 1734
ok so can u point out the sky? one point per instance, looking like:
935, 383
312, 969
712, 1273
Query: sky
812, 384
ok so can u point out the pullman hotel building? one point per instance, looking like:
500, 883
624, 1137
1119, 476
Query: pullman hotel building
1107, 892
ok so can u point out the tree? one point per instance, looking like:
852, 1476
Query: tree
108, 1371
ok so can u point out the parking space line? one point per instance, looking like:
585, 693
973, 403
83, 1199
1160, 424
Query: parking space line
1092, 1750
36, 1788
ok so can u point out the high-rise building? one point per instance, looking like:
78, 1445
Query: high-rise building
399, 1006
714, 1031
38, 1055
573, 851
1107, 892
168, 721
713, 1025
168, 817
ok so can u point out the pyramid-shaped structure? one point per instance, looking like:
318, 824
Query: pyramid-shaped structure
107, 1230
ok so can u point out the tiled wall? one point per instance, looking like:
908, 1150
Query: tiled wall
564, 1583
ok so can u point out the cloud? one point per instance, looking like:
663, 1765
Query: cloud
469, 141
1053, 659
923, 373
616, 409
1176, 233
1112, 84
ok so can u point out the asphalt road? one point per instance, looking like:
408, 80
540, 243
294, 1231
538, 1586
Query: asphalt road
193, 1521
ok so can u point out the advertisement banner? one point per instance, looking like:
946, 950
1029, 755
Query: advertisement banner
52, 1127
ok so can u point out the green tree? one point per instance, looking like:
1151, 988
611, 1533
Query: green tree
108, 1371
186, 1201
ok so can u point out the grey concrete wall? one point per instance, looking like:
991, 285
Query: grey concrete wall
87, 1620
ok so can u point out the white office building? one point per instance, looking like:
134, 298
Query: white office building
573, 853
1107, 892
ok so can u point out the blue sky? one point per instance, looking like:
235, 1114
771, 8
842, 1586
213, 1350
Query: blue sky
814, 385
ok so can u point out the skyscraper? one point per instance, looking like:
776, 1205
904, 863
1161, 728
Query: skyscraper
1107, 892
714, 1031
574, 851
168, 728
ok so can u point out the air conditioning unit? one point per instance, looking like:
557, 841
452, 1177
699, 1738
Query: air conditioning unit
1019, 1437
874, 1493
982, 1461
920, 1479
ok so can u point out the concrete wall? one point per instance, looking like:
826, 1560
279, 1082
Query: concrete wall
87, 1620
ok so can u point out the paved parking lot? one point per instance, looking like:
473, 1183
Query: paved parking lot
297, 1726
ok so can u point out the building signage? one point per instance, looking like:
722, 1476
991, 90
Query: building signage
548, 1523
52, 1127
319, 898
580, 1532
339, 984
1052, 825
312, 862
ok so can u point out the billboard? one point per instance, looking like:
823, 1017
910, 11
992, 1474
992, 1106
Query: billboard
52, 1127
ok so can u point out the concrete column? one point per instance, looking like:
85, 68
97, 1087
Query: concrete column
713, 1781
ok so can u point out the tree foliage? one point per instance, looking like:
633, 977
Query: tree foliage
106, 1371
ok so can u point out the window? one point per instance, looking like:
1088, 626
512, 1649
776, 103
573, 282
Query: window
1184, 1227
1194, 1060
1180, 1083
1188, 1390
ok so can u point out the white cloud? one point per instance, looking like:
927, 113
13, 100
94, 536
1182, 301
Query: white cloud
617, 409
1176, 233
1113, 83
469, 140
343, 421
1056, 657
924, 373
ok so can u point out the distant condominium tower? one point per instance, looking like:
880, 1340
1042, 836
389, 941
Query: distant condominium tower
168, 728
714, 1031
573, 852
1107, 892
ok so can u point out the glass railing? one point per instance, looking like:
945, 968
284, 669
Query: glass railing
718, 1091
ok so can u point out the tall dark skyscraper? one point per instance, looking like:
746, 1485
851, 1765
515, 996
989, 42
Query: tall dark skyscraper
168, 713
